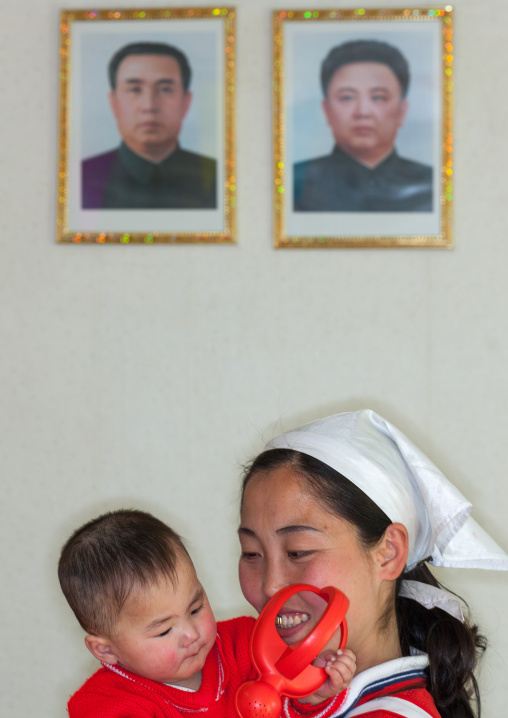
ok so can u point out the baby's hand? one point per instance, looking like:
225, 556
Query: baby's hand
340, 667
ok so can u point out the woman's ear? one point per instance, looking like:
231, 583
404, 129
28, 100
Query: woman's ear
391, 552
102, 648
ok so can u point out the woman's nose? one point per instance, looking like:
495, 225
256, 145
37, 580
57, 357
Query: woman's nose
274, 579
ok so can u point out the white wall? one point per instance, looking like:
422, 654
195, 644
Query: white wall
144, 375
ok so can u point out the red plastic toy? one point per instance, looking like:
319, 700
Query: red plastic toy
284, 669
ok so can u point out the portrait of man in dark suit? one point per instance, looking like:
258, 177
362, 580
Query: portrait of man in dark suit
149, 97
365, 85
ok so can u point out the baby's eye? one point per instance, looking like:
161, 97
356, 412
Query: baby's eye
164, 633
196, 610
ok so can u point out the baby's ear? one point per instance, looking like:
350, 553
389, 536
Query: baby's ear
101, 648
391, 552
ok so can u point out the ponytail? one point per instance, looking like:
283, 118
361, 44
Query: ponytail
453, 647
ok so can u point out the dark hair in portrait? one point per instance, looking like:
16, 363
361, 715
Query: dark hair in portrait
150, 48
365, 51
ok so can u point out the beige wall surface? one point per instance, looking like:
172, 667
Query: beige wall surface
145, 375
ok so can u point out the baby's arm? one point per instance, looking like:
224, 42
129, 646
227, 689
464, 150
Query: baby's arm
340, 668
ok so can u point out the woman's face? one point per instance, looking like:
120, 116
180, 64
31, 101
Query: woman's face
288, 537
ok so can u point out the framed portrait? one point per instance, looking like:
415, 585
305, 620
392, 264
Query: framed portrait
363, 131
147, 130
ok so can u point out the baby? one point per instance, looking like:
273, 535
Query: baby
133, 588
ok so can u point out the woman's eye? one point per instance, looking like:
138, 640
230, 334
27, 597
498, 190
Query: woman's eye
249, 556
299, 554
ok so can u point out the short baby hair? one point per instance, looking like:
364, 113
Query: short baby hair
108, 557
365, 51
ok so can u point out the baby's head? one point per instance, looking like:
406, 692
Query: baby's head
133, 588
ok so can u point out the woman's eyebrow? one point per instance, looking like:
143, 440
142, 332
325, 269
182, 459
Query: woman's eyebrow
296, 529
243, 531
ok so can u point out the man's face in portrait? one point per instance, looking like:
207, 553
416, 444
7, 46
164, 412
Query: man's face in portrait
149, 104
364, 108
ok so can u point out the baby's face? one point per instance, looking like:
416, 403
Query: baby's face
165, 633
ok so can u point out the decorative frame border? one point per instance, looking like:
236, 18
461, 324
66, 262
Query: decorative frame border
227, 235
443, 238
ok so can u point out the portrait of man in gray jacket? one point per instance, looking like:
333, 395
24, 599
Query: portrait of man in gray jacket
365, 86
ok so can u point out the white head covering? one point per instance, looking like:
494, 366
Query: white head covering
408, 487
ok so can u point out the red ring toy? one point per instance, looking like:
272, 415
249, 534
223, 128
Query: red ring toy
284, 669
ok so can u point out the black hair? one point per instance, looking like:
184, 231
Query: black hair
150, 48
453, 647
108, 557
365, 51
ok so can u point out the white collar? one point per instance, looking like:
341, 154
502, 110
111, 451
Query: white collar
372, 680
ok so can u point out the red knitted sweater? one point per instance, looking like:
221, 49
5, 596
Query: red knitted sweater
113, 692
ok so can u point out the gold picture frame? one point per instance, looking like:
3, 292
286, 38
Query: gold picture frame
99, 200
322, 199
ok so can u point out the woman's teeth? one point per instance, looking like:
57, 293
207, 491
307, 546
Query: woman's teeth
290, 621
